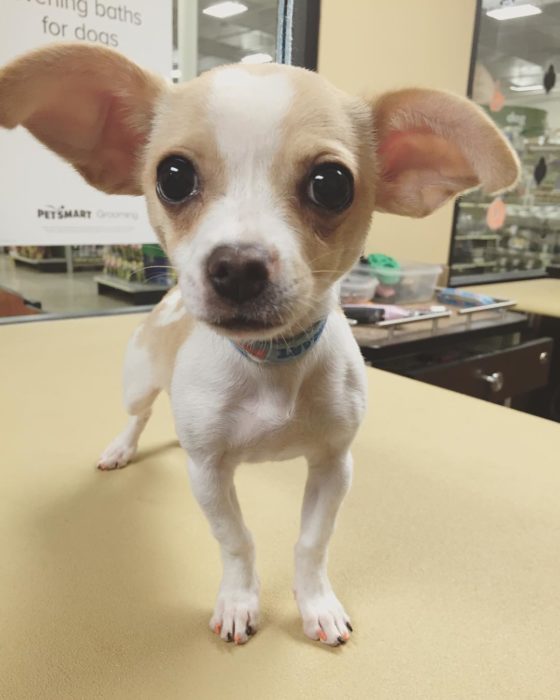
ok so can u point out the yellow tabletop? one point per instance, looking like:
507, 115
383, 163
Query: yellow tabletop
540, 296
447, 552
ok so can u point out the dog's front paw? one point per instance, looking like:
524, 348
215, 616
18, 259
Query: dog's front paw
117, 455
324, 618
236, 615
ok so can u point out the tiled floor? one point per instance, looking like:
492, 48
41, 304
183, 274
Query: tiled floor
58, 292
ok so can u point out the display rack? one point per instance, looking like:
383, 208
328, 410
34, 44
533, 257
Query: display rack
54, 264
529, 239
139, 274
136, 293
491, 242
67, 259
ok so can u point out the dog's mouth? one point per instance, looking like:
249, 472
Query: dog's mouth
269, 315
256, 319
244, 327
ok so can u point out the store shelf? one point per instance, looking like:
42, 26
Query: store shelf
512, 207
137, 293
41, 264
56, 264
496, 277
478, 237
471, 265
87, 264
474, 205
550, 148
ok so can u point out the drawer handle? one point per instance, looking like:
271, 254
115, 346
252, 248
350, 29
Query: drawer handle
496, 381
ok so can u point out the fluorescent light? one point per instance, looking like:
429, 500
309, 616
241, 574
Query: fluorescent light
221, 10
257, 58
514, 11
526, 88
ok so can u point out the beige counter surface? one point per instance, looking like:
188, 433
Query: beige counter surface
540, 296
447, 552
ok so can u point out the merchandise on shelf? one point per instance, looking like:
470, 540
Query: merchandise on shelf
82, 255
517, 234
90, 255
38, 252
529, 239
143, 264
157, 268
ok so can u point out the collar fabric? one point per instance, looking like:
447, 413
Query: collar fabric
278, 350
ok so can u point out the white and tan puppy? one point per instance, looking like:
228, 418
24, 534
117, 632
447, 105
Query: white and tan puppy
260, 183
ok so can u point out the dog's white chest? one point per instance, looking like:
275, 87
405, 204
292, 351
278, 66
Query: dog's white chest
224, 404
270, 414
262, 419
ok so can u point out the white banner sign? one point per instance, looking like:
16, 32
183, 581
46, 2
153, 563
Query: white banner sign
43, 201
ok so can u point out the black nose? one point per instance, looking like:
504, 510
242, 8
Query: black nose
238, 273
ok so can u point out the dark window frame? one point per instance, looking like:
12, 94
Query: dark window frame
298, 32
458, 280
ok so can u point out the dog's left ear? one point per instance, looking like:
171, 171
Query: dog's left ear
87, 103
432, 146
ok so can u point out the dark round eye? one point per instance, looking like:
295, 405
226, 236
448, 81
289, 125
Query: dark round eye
331, 186
176, 179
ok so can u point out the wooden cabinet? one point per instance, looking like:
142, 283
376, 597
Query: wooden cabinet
495, 376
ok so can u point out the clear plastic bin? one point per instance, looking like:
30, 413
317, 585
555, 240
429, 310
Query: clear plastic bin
414, 282
358, 285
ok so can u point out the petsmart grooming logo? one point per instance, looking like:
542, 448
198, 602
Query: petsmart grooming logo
62, 212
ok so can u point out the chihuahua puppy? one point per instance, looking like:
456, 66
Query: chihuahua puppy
260, 183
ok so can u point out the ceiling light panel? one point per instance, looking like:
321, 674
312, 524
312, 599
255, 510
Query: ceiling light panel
223, 10
514, 11
257, 58
526, 88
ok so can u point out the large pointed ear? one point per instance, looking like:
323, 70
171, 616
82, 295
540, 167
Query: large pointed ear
432, 146
87, 103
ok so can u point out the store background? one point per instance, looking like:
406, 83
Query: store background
364, 48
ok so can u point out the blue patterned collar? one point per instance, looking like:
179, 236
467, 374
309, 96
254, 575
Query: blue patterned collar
278, 350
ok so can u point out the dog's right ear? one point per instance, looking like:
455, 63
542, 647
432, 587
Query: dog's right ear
87, 103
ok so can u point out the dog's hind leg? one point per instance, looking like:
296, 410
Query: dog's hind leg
141, 388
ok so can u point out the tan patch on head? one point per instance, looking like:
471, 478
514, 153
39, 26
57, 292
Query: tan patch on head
254, 134
326, 125
322, 123
181, 128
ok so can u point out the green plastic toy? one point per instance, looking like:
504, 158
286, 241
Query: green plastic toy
387, 269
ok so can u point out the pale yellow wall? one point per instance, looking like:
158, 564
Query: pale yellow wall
368, 46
